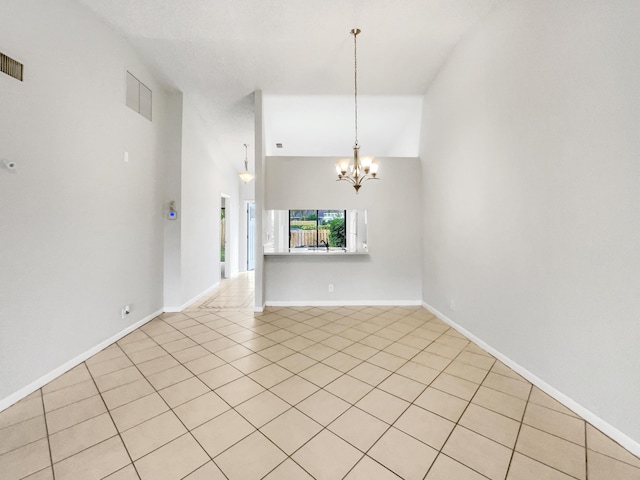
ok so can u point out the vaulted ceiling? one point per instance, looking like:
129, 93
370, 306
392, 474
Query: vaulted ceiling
221, 51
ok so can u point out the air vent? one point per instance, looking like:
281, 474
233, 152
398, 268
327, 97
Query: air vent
11, 67
138, 96
278, 145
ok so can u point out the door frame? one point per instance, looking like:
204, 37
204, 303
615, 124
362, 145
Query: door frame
225, 201
251, 236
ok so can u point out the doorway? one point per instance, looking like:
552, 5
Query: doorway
251, 235
224, 236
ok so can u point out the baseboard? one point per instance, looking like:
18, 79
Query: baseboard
344, 303
193, 300
588, 415
42, 381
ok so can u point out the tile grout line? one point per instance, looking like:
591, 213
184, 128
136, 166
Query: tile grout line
46, 426
586, 452
19, 423
157, 392
112, 421
457, 422
513, 451
522, 423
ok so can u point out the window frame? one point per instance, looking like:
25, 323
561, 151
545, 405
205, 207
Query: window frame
317, 229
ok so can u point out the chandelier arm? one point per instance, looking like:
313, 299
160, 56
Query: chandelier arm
348, 179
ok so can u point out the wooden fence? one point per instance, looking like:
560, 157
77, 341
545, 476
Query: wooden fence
301, 238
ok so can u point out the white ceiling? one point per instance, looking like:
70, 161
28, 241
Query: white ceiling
220, 51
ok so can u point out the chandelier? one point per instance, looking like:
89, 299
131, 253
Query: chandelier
245, 176
362, 168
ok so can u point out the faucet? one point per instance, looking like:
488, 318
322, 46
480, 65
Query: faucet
325, 243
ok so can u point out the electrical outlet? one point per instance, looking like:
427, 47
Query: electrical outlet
330, 287
126, 310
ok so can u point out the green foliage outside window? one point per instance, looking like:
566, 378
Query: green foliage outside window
337, 233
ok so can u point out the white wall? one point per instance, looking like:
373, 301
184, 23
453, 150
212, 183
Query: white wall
172, 271
259, 188
81, 231
531, 185
389, 125
389, 274
204, 178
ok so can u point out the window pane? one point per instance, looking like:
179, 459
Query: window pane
303, 228
332, 228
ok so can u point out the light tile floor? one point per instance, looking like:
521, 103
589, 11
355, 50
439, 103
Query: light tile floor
350, 393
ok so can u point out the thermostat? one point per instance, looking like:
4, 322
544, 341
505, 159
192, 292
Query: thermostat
172, 215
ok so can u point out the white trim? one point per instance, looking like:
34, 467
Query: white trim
192, 301
344, 303
588, 415
42, 381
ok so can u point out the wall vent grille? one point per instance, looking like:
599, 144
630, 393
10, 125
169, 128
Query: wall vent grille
11, 67
139, 96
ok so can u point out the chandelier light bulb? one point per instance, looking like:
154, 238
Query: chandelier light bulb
343, 166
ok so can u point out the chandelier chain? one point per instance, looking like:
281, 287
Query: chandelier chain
355, 77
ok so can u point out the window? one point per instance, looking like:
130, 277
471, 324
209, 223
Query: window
317, 229
284, 232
